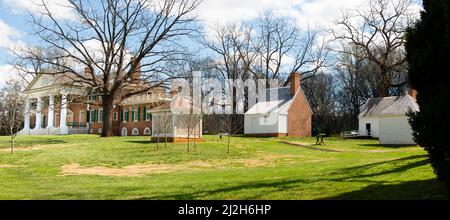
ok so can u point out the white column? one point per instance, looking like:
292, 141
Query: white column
51, 111
88, 114
63, 116
27, 115
39, 113
174, 127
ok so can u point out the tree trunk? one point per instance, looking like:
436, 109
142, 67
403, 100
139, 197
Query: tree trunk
107, 117
159, 134
165, 134
165, 140
385, 83
188, 143
13, 143
229, 136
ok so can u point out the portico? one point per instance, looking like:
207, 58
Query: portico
47, 106
44, 109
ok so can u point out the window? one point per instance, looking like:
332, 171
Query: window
92, 117
115, 116
100, 115
136, 114
124, 132
100, 130
147, 131
44, 121
135, 132
147, 114
126, 113
81, 117
56, 120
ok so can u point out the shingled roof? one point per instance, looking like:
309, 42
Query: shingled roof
280, 104
395, 105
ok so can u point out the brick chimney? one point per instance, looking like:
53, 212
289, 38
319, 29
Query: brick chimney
295, 79
87, 71
136, 75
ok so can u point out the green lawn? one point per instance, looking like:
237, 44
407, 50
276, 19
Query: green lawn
89, 167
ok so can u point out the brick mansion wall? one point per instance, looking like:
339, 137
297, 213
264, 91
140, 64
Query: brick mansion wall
128, 120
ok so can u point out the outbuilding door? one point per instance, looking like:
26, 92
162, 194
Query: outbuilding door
369, 129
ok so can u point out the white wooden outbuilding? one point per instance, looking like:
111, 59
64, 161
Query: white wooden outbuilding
385, 118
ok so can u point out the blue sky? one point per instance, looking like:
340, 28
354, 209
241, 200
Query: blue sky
16, 31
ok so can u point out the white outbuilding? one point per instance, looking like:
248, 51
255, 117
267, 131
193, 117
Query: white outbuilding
385, 118
289, 114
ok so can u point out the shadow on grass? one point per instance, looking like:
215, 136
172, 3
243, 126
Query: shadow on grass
310, 147
272, 185
377, 189
420, 189
26, 143
140, 142
367, 166
387, 146
356, 170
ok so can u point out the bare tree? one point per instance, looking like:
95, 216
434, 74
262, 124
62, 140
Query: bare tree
379, 33
357, 80
233, 45
321, 93
29, 62
103, 36
190, 122
278, 39
166, 121
261, 50
11, 109
228, 124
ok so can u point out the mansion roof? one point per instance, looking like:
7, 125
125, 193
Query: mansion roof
46, 84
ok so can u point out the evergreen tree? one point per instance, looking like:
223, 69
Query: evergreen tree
427, 54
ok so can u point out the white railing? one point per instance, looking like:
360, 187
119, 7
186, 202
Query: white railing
349, 134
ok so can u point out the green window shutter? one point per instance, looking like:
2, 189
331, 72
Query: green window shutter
121, 116
144, 116
139, 113
127, 115
88, 116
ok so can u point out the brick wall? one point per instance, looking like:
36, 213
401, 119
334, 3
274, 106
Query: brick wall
299, 118
121, 122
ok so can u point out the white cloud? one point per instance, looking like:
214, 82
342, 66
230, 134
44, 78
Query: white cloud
8, 73
214, 12
57, 7
9, 36
320, 13
305, 12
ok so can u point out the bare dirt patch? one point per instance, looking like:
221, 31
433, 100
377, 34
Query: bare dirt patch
310, 146
20, 149
142, 169
8, 166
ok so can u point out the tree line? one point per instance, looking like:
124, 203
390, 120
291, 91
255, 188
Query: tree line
361, 57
